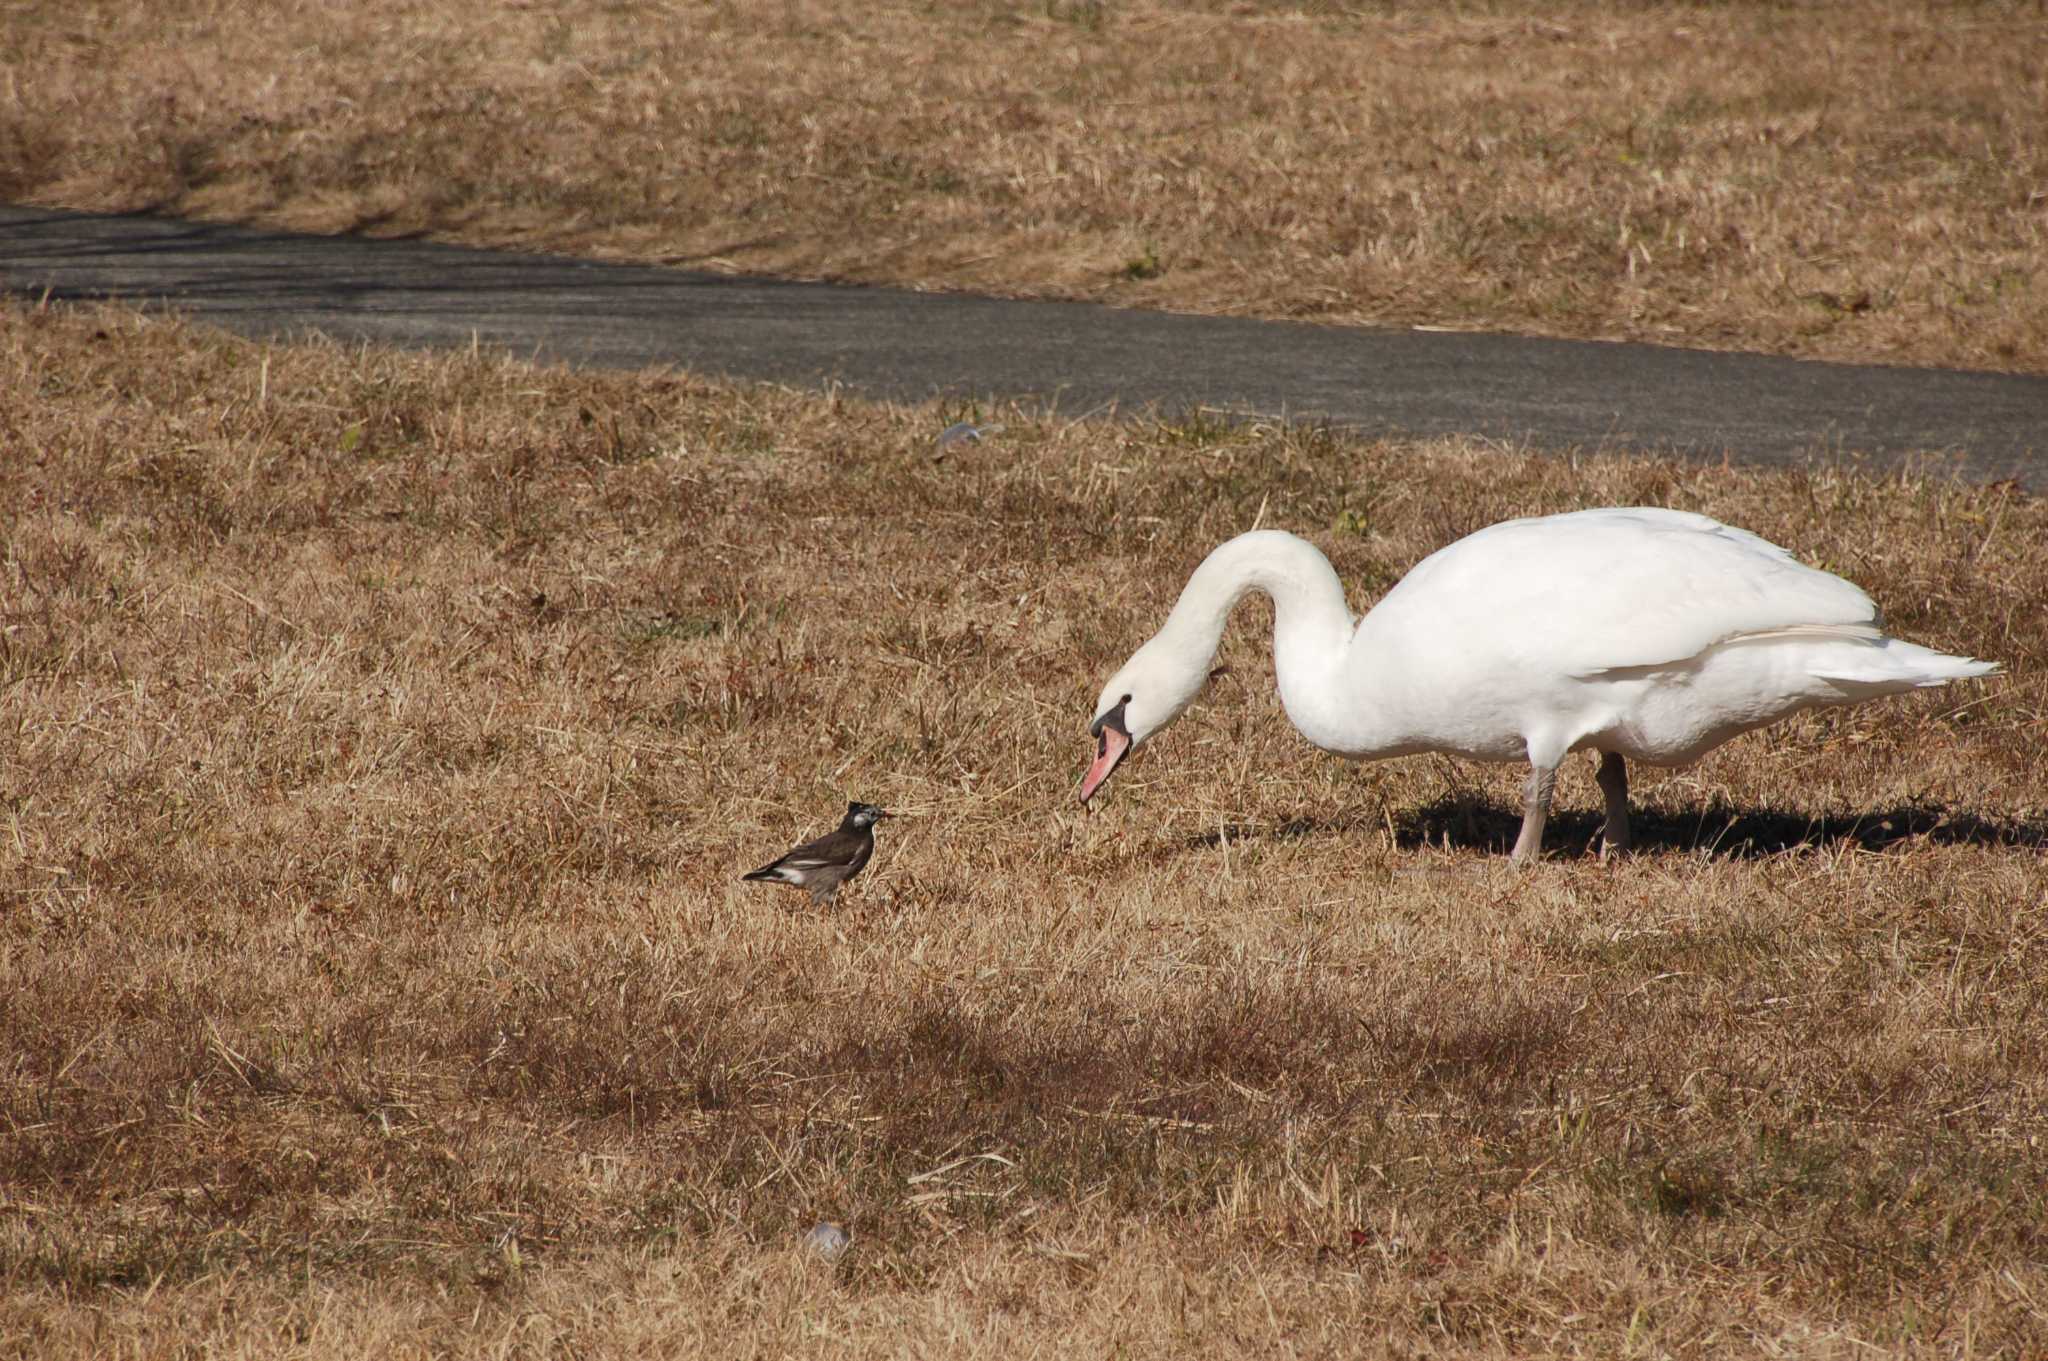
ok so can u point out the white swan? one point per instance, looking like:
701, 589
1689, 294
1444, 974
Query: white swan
1644, 633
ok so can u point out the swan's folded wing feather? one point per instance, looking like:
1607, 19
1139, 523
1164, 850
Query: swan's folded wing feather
1869, 635
1672, 595
1606, 590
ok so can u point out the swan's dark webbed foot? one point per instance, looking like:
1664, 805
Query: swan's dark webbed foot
1613, 778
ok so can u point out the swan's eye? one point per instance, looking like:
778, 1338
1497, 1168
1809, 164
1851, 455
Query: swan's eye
1113, 719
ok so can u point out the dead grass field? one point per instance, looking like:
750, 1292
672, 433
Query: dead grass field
1861, 180
382, 736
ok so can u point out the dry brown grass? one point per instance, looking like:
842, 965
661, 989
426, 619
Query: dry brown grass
1864, 180
384, 736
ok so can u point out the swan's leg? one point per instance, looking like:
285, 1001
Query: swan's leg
1535, 812
1613, 779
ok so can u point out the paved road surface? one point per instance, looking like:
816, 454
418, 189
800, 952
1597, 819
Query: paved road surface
895, 343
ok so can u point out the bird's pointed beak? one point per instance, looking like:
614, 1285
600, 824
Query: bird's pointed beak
1112, 744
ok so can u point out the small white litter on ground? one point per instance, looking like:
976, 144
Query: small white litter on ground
828, 1240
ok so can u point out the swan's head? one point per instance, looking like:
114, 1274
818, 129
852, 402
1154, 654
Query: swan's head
1154, 688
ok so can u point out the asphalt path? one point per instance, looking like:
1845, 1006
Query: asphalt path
1073, 358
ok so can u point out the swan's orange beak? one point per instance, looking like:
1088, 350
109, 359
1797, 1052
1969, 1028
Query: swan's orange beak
1110, 748
1112, 744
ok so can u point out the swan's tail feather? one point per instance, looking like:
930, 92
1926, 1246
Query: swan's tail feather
1894, 665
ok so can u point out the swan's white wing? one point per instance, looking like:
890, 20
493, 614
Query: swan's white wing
1602, 590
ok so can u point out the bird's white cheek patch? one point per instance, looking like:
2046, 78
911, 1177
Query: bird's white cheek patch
1111, 750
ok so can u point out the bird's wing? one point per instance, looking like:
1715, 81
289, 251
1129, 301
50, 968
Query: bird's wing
1606, 590
828, 851
798, 860
803, 859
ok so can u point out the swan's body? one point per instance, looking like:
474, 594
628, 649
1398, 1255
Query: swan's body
1644, 633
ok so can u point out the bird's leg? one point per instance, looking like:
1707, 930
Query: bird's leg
1535, 812
1613, 778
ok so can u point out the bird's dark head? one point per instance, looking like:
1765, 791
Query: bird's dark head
861, 816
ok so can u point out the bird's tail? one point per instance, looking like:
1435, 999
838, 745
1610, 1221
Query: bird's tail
1893, 665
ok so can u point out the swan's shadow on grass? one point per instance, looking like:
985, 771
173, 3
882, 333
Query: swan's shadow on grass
1743, 834
1736, 833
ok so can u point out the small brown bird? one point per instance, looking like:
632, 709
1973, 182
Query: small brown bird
823, 865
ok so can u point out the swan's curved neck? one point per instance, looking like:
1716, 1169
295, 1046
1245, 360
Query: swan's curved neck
1312, 626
